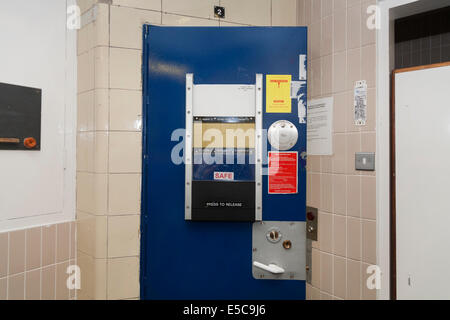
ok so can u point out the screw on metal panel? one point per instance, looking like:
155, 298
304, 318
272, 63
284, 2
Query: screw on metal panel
254, 249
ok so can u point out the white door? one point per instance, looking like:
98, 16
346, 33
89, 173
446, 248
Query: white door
422, 134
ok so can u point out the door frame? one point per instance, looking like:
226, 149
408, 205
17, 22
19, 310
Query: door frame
393, 199
387, 11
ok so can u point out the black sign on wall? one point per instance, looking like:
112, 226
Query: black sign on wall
20, 117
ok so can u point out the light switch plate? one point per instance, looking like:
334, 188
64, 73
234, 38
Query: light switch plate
365, 161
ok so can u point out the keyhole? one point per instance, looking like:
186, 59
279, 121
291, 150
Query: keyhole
274, 235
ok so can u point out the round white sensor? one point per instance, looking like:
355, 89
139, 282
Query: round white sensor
283, 135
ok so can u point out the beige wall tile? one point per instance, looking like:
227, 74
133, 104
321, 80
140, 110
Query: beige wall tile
368, 198
326, 197
127, 26
102, 25
353, 280
339, 157
123, 278
340, 30
92, 193
340, 194
308, 189
315, 187
354, 196
354, 238
177, 20
125, 152
353, 68
33, 249
315, 279
339, 4
93, 281
141, 4
33, 285
126, 110
340, 235
62, 292
340, 277
16, 252
326, 232
284, 13
369, 247
48, 245
369, 63
316, 75
196, 8
123, 236
254, 12
62, 242
101, 67
101, 102
16, 287
48, 283
326, 164
326, 273
3, 289
327, 7
315, 294
92, 234
85, 39
327, 75
314, 163
316, 10
85, 151
4, 253
124, 194
353, 146
326, 45
125, 69
354, 26
85, 110
101, 152
86, 71
325, 296
315, 34
340, 77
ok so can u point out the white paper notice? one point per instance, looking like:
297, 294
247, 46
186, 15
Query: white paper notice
320, 127
303, 74
360, 104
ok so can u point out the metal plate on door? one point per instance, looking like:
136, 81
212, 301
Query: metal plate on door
279, 250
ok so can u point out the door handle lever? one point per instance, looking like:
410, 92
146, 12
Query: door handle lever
272, 268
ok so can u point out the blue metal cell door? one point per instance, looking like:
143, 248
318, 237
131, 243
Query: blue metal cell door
208, 260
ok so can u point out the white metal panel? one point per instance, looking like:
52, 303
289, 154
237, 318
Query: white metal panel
422, 100
188, 149
34, 53
224, 101
259, 146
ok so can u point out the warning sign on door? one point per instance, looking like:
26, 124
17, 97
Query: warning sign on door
278, 90
283, 172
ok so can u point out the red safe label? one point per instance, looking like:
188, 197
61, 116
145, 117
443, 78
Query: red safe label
283, 172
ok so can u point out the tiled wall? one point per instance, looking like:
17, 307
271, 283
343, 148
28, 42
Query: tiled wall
33, 262
109, 126
422, 39
342, 51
